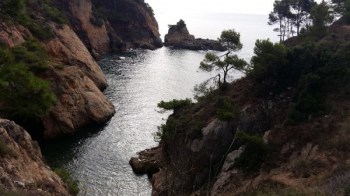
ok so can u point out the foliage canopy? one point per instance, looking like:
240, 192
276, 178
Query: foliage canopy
231, 40
23, 95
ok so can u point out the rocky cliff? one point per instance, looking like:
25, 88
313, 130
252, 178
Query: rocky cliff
78, 83
22, 169
76, 79
113, 25
73, 33
178, 36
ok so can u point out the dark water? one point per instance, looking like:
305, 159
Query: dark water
98, 157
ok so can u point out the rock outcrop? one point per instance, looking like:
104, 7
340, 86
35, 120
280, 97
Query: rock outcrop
78, 83
179, 37
22, 169
97, 35
76, 79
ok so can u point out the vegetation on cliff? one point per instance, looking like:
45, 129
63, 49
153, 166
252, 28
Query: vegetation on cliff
231, 40
25, 97
282, 129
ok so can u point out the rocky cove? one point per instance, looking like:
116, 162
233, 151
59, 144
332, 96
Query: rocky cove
74, 39
256, 136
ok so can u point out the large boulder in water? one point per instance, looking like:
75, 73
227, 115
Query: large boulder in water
179, 37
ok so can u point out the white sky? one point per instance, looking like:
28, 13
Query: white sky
170, 11
222, 6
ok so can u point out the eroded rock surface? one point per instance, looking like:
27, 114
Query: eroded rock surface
22, 169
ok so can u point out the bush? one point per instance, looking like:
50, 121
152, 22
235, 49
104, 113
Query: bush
39, 29
32, 54
267, 65
54, 14
68, 180
226, 109
254, 153
168, 130
174, 104
24, 95
11, 8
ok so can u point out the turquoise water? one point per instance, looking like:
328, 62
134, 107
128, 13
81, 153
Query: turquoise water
98, 157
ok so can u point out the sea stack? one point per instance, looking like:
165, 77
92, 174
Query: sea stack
179, 37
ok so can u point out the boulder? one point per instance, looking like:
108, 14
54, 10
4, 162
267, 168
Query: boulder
148, 161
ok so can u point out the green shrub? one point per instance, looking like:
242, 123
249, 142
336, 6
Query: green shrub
254, 153
67, 178
311, 99
54, 14
226, 109
168, 130
24, 95
175, 104
40, 30
11, 8
268, 65
32, 54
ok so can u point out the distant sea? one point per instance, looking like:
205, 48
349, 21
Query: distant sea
210, 25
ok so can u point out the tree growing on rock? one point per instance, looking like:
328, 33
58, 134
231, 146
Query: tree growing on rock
231, 40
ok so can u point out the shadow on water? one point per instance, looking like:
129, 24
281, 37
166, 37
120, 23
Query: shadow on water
67, 148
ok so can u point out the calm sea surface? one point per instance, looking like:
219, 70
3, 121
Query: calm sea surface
98, 156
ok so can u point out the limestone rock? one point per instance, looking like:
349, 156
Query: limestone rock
22, 168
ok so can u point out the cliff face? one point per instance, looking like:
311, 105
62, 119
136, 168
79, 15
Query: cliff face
78, 85
94, 28
113, 25
22, 169
132, 21
97, 36
76, 79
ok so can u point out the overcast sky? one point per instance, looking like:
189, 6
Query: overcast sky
170, 11
226, 6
